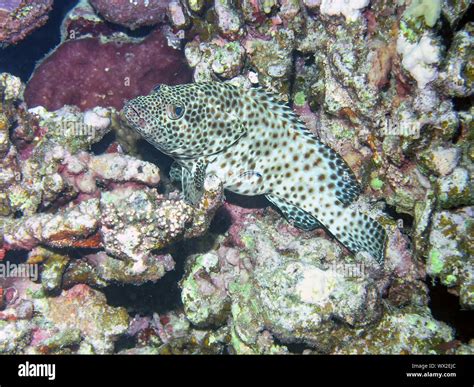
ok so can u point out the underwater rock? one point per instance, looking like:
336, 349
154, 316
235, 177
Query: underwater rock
171, 333
215, 59
53, 268
84, 171
136, 222
229, 21
100, 270
31, 175
441, 161
451, 252
455, 10
77, 321
272, 60
11, 88
404, 332
292, 286
204, 296
83, 21
298, 288
196, 5
129, 223
19, 18
284, 283
456, 189
456, 77
177, 14
132, 14
74, 226
428, 10
14, 336
119, 70
85, 310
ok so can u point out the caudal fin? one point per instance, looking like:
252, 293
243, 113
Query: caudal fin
360, 233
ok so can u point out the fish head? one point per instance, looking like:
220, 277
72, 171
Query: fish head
162, 119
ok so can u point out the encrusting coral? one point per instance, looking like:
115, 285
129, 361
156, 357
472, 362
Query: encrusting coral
385, 84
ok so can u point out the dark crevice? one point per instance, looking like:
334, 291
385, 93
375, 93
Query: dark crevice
160, 297
406, 218
164, 295
292, 77
149, 153
125, 342
16, 256
462, 103
141, 32
295, 348
256, 202
445, 307
467, 18
101, 146
221, 222
21, 59
457, 135
445, 32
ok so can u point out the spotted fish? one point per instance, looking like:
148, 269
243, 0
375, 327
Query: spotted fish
255, 145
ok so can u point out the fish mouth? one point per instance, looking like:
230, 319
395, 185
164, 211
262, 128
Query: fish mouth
132, 115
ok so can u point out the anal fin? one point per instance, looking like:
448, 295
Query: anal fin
295, 215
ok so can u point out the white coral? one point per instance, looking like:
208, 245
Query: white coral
349, 8
420, 59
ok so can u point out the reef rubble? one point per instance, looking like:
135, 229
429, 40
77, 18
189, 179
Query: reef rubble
89, 207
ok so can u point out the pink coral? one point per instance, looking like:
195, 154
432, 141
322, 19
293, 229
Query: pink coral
132, 14
115, 73
18, 18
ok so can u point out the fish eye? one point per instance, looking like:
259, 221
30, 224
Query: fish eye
156, 88
174, 111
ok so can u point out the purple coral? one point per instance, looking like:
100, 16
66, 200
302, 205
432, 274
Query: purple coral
132, 14
18, 18
116, 72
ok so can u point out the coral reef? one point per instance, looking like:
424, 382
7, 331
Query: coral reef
119, 70
77, 321
288, 287
88, 209
132, 14
57, 196
20, 18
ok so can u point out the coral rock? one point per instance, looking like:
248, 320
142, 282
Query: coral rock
450, 256
18, 18
132, 14
84, 309
117, 71
74, 226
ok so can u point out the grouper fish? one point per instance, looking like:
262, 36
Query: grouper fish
255, 145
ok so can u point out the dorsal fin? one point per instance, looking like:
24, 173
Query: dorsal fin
279, 106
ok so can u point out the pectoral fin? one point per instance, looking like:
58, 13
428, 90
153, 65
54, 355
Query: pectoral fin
192, 180
176, 172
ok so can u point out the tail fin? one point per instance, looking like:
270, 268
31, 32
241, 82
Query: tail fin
360, 233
